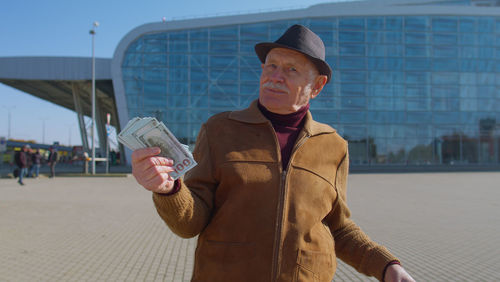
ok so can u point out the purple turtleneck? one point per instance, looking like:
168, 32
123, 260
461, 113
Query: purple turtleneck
287, 128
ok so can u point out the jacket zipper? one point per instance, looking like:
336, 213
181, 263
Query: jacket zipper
281, 205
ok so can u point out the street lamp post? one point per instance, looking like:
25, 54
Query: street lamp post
9, 119
92, 32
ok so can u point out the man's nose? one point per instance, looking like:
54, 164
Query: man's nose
277, 75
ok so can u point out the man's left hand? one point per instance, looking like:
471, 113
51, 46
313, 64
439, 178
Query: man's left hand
395, 273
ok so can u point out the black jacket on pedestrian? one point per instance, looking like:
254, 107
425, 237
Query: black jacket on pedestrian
36, 158
20, 159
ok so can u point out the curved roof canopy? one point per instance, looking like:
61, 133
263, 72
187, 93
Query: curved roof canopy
55, 78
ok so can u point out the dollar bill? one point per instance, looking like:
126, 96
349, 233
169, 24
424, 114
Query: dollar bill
161, 137
148, 132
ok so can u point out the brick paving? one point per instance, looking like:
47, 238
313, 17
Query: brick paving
443, 226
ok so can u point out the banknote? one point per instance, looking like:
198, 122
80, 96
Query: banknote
149, 132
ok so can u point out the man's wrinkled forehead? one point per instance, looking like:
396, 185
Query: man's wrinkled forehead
291, 56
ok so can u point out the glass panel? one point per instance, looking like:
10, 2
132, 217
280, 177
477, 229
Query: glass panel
176, 101
178, 74
447, 91
486, 39
418, 77
486, 25
417, 50
155, 45
198, 46
177, 46
224, 33
197, 73
445, 78
155, 74
352, 63
444, 38
198, 34
178, 60
352, 23
353, 103
254, 32
421, 64
224, 46
417, 38
446, 118
375, 37
467, 24
228, 74
348, 89
325, 24
249, 75
448, 24
417, 23
394, 23
131, 73
177, 88
380, 104
198, 88
445, 51
352, 49
393, 37
155, 59
155, 88
132, 60
223, 61
353, 117
247, 47
199, 60
467, 39
351, 36
445, 65
375, 23
419, 117
353, 76
417, 91
375, 50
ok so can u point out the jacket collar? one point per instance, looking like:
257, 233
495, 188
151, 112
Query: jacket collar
252, 114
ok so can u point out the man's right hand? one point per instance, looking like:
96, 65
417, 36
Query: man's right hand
152, 171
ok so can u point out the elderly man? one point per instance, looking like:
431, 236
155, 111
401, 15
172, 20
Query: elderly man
268, 196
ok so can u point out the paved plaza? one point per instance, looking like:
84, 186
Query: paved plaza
443, 226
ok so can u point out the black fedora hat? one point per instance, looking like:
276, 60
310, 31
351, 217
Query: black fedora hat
303, 40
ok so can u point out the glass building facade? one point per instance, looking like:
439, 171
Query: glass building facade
406, 90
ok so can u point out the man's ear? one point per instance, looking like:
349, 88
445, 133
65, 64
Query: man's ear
319, 83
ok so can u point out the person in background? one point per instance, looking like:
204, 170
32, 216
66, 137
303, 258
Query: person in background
21, 159
52, 161
36, 160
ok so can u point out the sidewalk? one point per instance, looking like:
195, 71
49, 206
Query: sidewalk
443, 226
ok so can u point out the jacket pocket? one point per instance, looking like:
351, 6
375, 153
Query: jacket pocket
314, 266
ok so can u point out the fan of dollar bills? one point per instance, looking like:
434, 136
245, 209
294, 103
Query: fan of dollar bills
149, 132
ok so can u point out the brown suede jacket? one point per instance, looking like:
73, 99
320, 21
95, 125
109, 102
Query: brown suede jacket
258, 222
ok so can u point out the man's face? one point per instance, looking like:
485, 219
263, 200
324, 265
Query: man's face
288, 81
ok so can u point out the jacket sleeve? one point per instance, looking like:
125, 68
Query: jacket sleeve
188, 211
352, 245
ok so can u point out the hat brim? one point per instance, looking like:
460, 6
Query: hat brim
262, 49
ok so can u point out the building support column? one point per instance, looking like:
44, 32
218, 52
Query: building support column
100, 121
80, 116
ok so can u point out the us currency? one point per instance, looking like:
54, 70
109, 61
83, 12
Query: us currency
148, 132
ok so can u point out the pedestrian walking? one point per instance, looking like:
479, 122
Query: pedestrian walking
36, 159
52, 161
21, 159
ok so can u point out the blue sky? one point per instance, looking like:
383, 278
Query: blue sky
61, 28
